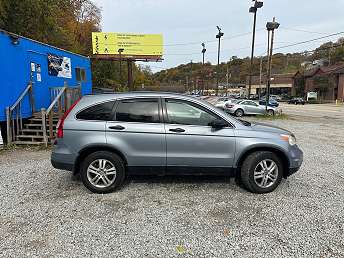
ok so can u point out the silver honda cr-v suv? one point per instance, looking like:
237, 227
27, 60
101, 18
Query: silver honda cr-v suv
104, 138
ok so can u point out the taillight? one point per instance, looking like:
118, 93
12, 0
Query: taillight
229, 105
59, 126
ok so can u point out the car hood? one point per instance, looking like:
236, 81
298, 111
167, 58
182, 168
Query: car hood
261, 127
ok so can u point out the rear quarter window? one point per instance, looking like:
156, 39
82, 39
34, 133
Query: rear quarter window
102, 112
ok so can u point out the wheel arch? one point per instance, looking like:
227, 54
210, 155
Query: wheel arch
280, 153
93, 148
243, 111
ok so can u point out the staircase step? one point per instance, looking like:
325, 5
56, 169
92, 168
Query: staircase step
39, 119
27, 143
37, 125
39, 115
34, 131
30, 136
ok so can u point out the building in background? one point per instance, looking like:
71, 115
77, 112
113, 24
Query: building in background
327, 81
281, 84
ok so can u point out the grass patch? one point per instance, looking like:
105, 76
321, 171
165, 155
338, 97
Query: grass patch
275, 117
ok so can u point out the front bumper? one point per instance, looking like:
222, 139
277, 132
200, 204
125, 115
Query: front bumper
296, 160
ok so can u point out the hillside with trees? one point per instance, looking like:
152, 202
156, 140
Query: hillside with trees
238, 68
66, 24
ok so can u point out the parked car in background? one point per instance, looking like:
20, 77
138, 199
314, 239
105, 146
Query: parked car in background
104, 138
221, 102
297, 101
249, 107
276, 97
254, 96
272, 102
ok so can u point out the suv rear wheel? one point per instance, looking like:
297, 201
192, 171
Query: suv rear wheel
102, 172
262, 172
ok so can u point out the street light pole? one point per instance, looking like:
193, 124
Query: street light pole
260, 77
218, 36
253, 9
270, 26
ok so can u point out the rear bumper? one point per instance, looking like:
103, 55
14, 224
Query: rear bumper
62, 165
62, 158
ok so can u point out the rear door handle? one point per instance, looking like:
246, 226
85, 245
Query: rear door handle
177, 130
117, 127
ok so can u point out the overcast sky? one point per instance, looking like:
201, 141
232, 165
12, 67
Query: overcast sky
194, 21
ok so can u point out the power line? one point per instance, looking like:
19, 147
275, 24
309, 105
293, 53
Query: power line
211, 52
308, 41
301, 30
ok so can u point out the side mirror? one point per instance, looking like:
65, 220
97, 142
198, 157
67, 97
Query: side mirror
218, 124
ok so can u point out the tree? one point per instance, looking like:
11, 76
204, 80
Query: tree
3, 12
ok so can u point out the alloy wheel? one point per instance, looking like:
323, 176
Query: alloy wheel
101, 173
266, 173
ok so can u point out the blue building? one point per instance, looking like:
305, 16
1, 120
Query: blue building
33, 76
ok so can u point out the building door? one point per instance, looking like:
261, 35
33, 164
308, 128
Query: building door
38, 76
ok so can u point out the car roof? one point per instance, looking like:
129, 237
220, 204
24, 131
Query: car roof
136, 94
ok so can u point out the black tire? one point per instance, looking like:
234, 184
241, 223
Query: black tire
239, 112
249, 165
271, 112
114, 159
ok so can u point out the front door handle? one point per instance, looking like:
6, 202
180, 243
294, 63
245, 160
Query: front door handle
117, 127
177, 130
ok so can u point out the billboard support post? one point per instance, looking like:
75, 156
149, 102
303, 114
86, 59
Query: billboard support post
130, 74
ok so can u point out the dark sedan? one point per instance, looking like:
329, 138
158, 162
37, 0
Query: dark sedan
297, 101
272, 102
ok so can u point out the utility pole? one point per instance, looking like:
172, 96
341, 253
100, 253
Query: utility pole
253, 9
192, 87
260, 76
227, 77
203, 53
271, 26
329, 54
218, 36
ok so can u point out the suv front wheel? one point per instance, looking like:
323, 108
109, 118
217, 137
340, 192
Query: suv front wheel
102, 172
262, 172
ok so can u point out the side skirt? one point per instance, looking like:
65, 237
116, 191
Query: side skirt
181, 170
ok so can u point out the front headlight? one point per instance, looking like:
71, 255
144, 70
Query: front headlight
289, 138
292, 140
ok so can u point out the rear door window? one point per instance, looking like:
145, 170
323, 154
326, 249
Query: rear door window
100, 112
138, 110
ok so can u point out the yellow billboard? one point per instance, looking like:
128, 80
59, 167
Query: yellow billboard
132, 44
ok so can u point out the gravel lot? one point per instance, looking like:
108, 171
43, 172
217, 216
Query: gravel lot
44, 212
